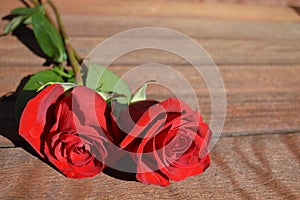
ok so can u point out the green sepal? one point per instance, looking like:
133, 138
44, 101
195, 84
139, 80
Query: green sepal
140, 95
106, 82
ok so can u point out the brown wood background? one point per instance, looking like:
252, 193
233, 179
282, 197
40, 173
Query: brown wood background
256, 45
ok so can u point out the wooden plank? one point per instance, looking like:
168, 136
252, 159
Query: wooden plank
254, 167
8, 5
223, 51
192, 26
262, 99
163, 8
257, 2
270, 103
187, 8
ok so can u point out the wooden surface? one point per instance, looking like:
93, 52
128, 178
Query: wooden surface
256, 47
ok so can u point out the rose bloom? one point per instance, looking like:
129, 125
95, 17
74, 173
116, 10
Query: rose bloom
167, 140
63, 129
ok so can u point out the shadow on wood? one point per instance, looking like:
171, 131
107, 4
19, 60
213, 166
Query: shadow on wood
120, 164
26, 36
8, 125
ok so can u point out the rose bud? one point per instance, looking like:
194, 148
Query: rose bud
63, 129
167, 140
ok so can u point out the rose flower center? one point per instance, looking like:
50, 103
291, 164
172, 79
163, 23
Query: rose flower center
178, 146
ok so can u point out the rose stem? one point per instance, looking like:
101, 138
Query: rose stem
73, 56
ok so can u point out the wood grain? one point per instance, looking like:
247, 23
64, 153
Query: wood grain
255, 44
163, 8
182, 9
100, 26
192, 26
255, 105
254, 167
262, 42
257, 2
222, 51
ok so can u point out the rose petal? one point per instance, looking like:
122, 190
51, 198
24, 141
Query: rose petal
34, 117
147, 176
155, 116
71, 171
64, 115
175, 105
204, 163
163, 124
88, 106
178, 174
170, 105
131, 114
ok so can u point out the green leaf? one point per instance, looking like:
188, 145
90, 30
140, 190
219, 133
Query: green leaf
48, 37
140, 95
103, 80
71, 80
23, 17
28, 20
33, 84
23, 11
13, 25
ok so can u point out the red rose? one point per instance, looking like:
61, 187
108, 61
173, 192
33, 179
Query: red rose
169, 140
63, 128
